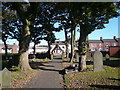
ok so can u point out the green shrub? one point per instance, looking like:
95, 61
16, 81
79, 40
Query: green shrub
89, 69
9, 54
16, 68
4, 63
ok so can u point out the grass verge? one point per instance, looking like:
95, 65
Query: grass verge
107, 79
19, 79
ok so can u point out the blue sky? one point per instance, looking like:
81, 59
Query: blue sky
107, 33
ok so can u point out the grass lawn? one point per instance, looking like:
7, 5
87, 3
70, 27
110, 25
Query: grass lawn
107, 79
19, 79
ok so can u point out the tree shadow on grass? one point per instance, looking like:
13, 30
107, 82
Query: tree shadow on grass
113, 79
105, 86
89, 62
112, 63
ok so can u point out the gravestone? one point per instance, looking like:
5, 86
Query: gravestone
62, 56
107, 57
51, 57
77, 58
98, 61
6, 78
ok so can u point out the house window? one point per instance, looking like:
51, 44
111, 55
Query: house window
114, 44
100, 49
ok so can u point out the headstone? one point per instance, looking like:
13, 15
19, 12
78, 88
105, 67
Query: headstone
63, 57
10, 58
98, 61
6, 78
107, 57
34, 58
51, 57
77, 58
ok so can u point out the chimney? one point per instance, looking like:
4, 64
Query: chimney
14, 44
115, 38
101, 39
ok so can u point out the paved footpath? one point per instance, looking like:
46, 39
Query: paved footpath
48, 77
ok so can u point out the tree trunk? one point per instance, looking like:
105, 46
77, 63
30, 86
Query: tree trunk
23, 11
66, 44
24, 46
73, 35
6, 47
67, 50
82, 63
72, 46
23, 61
34, 48
82, 51
49, 48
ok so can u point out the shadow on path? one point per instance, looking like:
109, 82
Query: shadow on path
48, 77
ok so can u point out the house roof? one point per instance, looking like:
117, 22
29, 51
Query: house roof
109, 40
59, 42
104, 40
57, 47
95, 41
9, 46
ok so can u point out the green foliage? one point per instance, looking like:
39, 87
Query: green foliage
41, 52
16, 68
89, 69
4, 63
9, 54
35, 21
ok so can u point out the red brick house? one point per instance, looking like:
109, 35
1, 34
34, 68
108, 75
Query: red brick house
103, 44
11, 48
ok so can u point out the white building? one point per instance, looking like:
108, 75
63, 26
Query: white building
44, 48
39, 49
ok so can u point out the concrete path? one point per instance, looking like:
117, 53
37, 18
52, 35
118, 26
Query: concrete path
48, 77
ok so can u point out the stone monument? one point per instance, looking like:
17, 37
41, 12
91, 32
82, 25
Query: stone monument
6, 80
98, 61
107, 57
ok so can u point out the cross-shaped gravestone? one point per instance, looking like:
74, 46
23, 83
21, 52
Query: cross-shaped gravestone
98, 61
6, 74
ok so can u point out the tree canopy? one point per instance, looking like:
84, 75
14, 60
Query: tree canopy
35, 21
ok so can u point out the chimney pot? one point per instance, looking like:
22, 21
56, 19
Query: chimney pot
114, 37
101, 38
